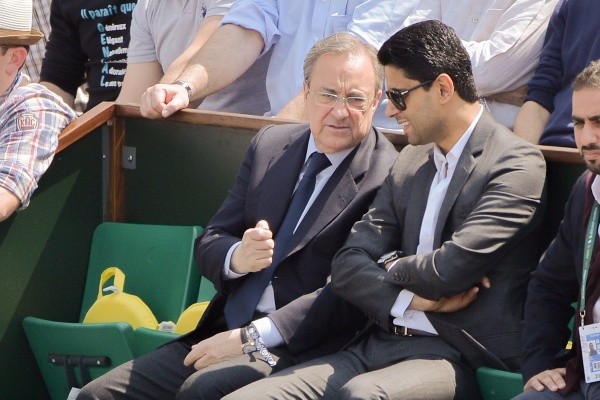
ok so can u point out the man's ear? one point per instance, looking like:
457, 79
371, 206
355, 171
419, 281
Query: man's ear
446, 87
17, 59
377, 98
305, 89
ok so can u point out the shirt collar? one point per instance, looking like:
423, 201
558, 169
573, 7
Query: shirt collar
596, 188
16, 82
454, 154
334, 158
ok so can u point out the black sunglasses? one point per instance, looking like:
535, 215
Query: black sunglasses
397, 97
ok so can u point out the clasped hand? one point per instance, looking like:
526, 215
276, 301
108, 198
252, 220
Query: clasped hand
256, 250
162, 100
449, 304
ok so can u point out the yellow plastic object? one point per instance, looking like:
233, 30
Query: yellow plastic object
119, 306
188, 320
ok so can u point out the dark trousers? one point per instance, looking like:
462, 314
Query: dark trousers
382, 366
161, 375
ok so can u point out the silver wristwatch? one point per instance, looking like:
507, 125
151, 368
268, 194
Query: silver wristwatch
186, 86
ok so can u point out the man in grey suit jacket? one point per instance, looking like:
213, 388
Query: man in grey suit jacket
343, 83
460, 204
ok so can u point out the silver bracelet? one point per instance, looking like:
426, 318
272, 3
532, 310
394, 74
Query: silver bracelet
253, 335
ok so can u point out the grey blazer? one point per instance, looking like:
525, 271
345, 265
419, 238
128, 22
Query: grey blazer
486, 226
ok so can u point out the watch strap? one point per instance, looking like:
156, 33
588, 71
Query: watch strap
186, 86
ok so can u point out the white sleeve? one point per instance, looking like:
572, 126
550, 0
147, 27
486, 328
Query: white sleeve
227, 272
374, 21
507, 59
268, 332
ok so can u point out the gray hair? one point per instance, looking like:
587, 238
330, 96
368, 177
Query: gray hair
343, 43
589, 77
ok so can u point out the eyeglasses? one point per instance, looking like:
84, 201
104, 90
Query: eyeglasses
397, 97
326, 99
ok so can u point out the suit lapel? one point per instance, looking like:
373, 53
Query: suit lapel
417, 200
336, 195
280, 180
464, 167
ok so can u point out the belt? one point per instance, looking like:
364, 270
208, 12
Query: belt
405, 331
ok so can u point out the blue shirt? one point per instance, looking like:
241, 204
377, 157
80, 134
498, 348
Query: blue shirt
292, 27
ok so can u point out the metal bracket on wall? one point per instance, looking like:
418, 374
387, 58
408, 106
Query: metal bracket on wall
128, 157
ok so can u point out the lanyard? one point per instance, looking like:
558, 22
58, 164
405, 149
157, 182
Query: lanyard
590, 238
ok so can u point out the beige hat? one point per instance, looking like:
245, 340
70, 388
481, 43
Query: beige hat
15, 23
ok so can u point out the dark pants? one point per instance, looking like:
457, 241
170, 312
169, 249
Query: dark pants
382, 366
161, 375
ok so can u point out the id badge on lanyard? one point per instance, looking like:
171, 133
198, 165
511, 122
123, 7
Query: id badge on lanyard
589, 335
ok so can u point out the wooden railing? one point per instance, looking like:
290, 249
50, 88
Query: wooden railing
103, 113
114, 115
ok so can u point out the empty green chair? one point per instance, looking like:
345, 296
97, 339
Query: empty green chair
159, 268
496, 384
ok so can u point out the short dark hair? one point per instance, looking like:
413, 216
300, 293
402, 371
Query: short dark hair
427, 49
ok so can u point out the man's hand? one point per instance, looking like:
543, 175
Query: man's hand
515, 97
215, 349
256, 250
451, 304
163, 100
552, 379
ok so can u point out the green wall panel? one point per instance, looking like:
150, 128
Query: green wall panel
182, 171
43, 259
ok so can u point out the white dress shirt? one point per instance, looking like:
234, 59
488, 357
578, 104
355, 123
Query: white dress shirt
266, 304
445, 165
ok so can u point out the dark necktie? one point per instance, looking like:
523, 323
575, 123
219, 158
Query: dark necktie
242, 302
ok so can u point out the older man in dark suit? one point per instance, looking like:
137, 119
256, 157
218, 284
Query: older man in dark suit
265, 249
461, 204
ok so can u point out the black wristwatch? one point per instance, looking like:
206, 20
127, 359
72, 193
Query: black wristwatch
389, 257
249, 336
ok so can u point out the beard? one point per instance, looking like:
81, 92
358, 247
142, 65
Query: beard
591, 165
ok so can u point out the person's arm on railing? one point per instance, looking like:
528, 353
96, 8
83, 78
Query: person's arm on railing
530, 121
208, 71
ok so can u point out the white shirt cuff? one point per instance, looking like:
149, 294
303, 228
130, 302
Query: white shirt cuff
227, 272
410, 318
402, 302
268, 332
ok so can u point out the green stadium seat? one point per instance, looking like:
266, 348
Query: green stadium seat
496, 384
159, 267
147, 340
